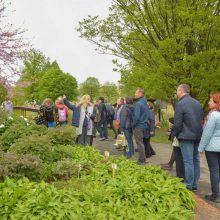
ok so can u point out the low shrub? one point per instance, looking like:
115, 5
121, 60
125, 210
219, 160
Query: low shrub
62, 136
11, 135
66, 169
34, 145
19, 166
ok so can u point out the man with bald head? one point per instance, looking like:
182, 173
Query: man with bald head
188, 128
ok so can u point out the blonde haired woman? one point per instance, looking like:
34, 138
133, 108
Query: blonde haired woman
83, 116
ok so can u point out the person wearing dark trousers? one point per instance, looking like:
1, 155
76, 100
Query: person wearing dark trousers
188, 129
140, 120
177, 154
180, 171
110, 117
210, 143
102, 124
149, 132
126, 119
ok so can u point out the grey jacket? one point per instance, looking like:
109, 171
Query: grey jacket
188, 119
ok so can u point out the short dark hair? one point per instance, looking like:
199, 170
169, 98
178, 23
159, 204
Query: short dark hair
141, 90
185, 88
129, 100
102, 99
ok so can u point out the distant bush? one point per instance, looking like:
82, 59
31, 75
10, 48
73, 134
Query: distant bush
19, 166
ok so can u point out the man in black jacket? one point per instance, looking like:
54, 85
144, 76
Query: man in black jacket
102, 124
188, 128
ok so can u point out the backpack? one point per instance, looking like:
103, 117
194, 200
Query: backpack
62, 114
110, 111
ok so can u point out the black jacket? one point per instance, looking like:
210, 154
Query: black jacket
188, 119
103, 112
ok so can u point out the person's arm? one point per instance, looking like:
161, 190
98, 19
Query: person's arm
207, 132
178, 121
137, 113
68, 104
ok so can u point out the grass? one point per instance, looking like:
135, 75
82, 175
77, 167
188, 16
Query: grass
161, 136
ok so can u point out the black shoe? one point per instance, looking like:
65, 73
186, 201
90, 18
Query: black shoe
194, 189
212, 198
141, 163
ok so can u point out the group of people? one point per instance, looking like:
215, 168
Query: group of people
193, 134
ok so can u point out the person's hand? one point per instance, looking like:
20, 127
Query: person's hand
201, 153
152, 133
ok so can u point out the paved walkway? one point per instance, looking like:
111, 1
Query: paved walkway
205, 211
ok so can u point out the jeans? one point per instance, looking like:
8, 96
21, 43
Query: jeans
139, 136
103, 130
213, 159
128, 134
191, 161
51, 124
180, 172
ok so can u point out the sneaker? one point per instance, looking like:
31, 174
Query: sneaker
212, 198
166, 166
106, 139
101, 139
194, 189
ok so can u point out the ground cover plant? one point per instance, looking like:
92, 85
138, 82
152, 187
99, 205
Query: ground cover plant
45, 175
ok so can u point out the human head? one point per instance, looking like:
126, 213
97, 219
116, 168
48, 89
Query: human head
150, 105
183, 90
101, 100
128, 100
7, 98
214, 102
59, 101
85, 100
47, 102
120, 101
139, 93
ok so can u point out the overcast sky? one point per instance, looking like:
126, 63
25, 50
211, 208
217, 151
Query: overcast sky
51, 28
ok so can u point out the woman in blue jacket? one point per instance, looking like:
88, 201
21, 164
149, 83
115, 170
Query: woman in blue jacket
210, 143
83, 117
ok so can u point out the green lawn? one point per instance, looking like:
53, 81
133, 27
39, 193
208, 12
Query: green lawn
161, 136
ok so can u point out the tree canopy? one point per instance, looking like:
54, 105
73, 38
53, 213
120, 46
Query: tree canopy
91, 87
3, 93
42, 79
11, 44
165, 43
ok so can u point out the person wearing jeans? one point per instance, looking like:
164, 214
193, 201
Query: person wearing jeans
210, 143
126, 119
187, 129
190, 154
140, 120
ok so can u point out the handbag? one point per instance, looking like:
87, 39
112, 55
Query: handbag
121, 141
116, 124
175, 142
